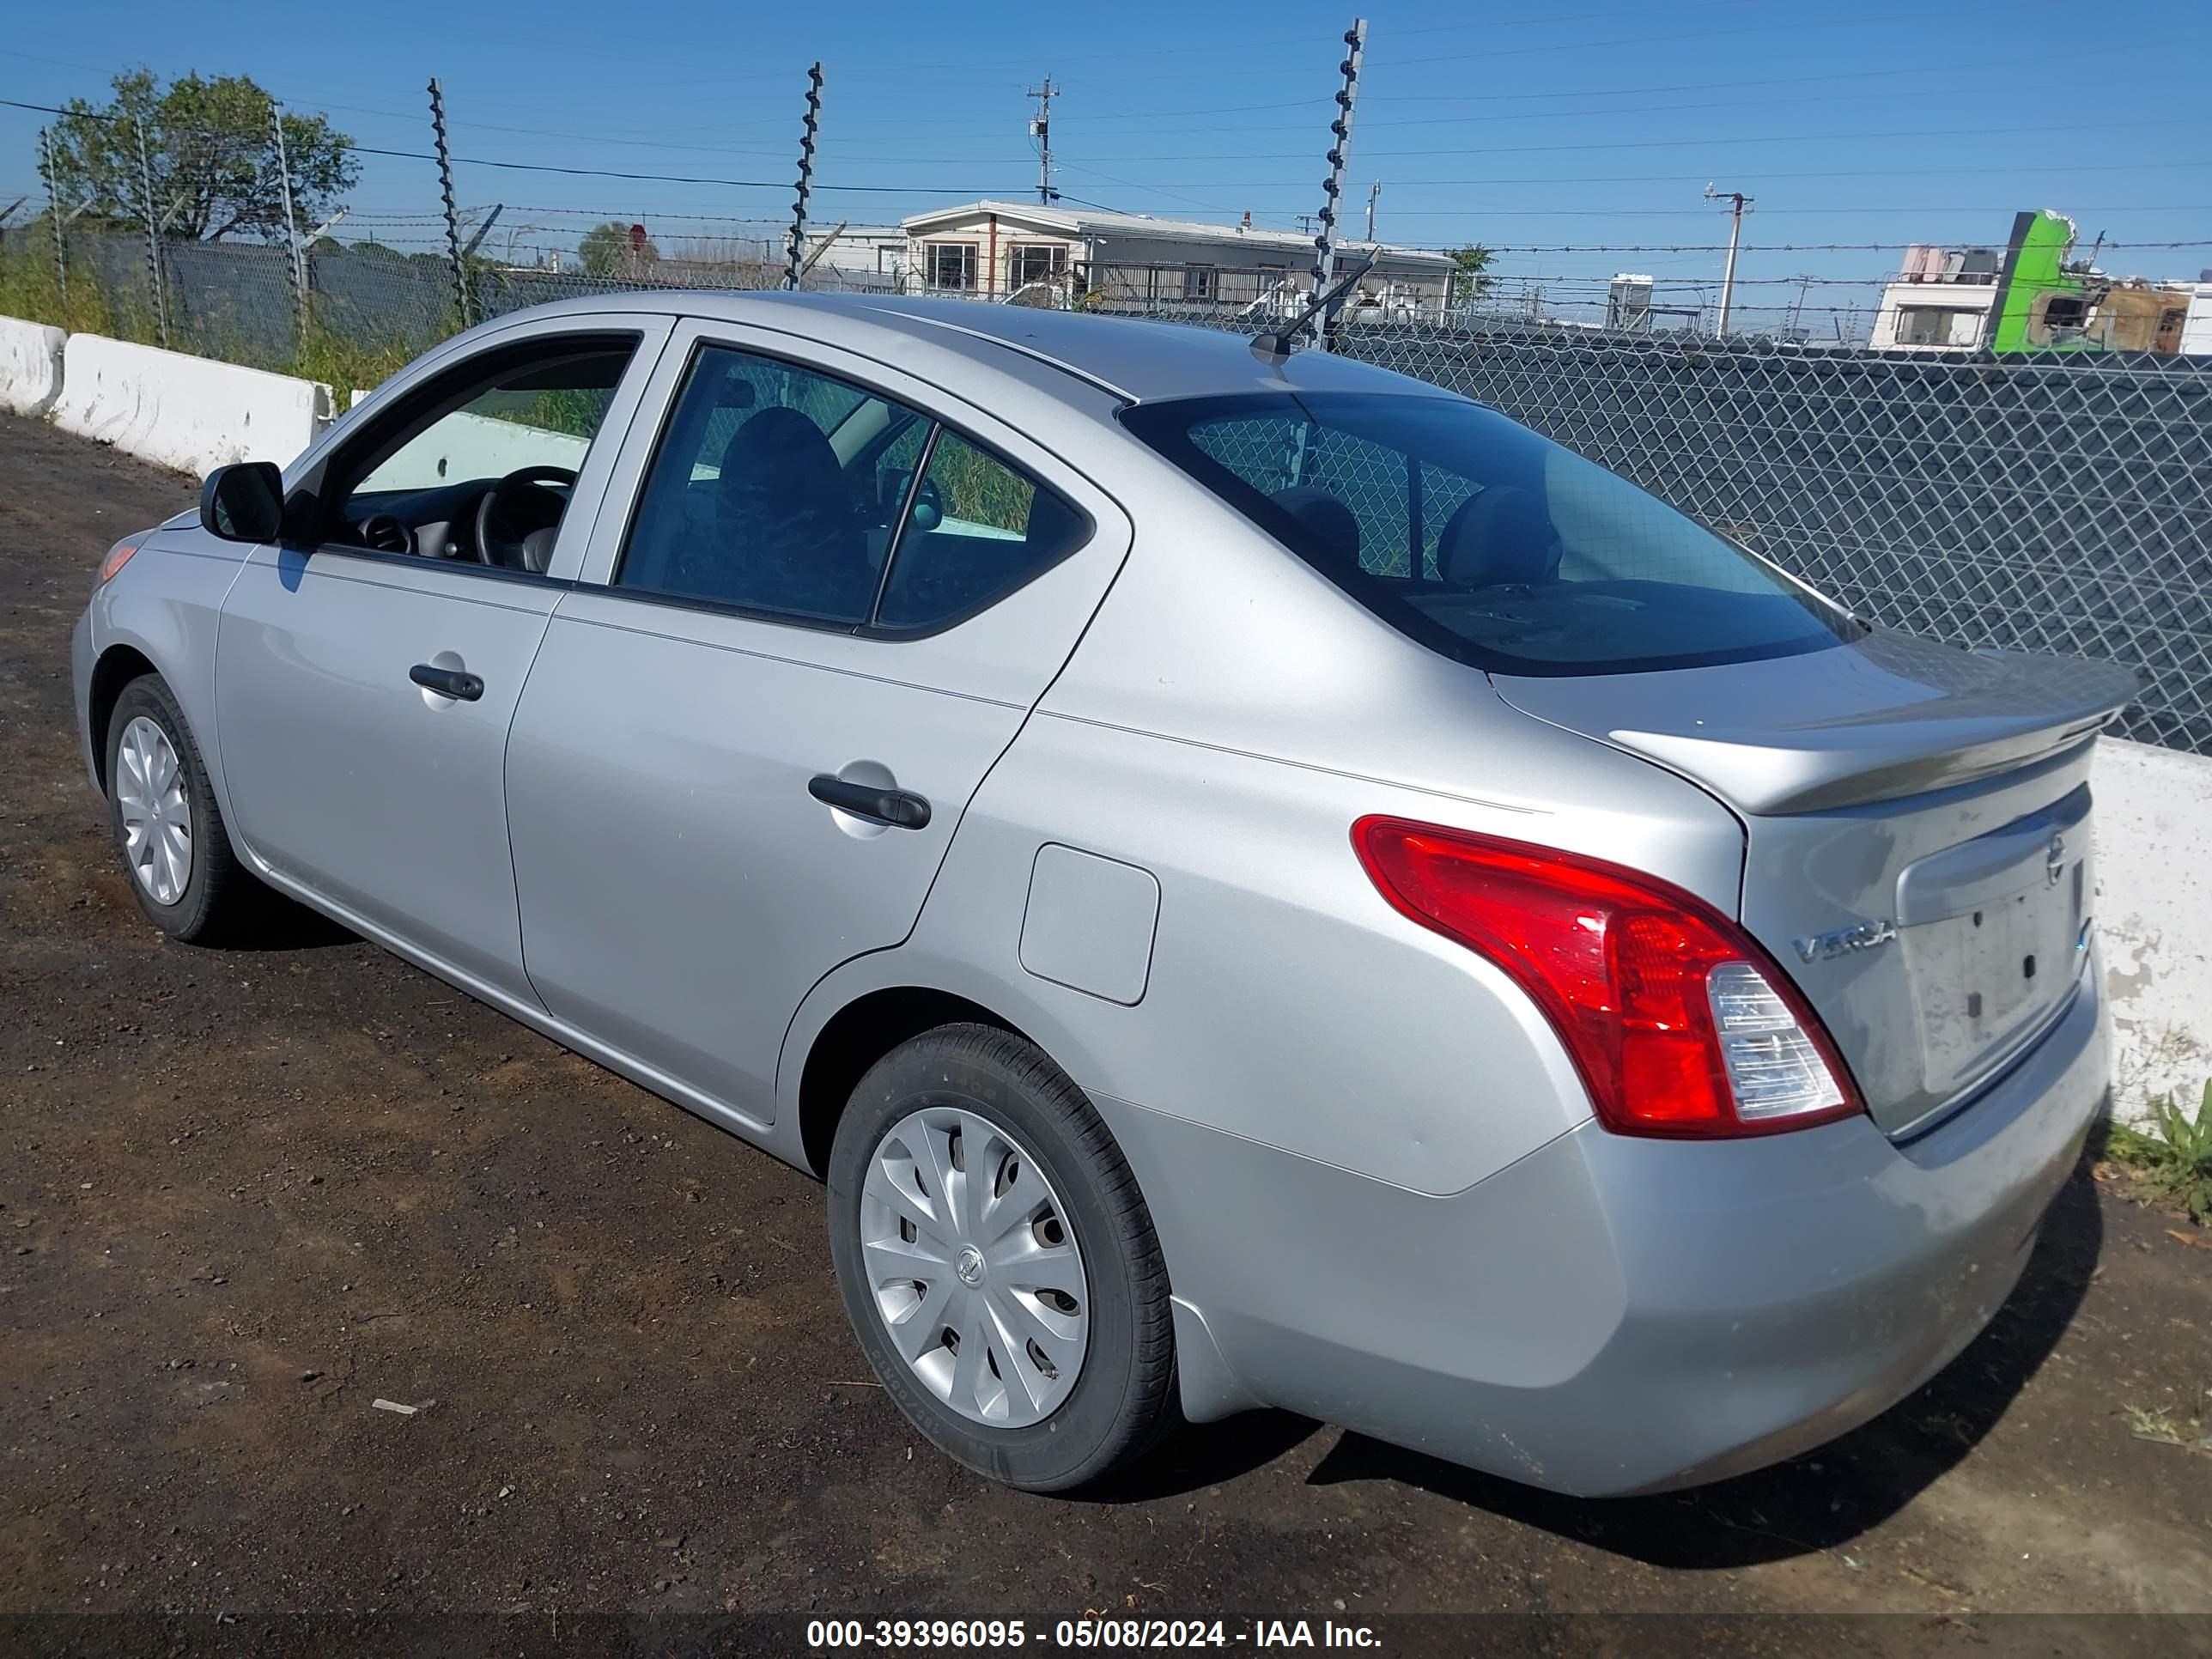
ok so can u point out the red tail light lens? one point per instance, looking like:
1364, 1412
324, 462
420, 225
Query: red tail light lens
1678, 1022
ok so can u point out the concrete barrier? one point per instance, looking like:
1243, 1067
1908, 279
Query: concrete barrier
2154, 851
30, 366
464, 446
185, 412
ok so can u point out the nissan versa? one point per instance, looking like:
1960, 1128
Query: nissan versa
1254, 880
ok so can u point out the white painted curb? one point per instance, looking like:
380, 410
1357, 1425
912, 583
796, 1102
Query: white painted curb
189, 413
30, 366
2153, 853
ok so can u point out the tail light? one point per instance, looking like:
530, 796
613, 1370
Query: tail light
117, 556
1678, 1022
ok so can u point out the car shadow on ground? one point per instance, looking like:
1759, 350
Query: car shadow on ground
290, 927
1817, 1502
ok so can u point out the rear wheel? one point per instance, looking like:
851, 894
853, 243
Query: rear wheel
998, 1263
167, 825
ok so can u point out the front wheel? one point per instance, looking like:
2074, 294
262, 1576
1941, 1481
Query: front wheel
162, 811
998, 1263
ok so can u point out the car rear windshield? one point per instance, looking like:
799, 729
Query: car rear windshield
1483, 540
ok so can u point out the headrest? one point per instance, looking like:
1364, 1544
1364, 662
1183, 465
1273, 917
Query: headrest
1332, 523
780, 450
1501, 534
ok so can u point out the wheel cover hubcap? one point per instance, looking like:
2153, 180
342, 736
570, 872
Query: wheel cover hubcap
157, 819
974, 1267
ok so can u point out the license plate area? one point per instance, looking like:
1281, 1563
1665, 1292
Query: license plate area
1991, 934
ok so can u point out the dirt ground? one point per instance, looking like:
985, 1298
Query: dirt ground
245, 1195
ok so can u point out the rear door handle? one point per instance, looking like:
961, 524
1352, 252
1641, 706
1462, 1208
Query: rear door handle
902, 809
455, 683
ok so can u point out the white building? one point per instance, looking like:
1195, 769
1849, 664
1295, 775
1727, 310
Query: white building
1941, 300
866, 252
2197, 330
1029, 253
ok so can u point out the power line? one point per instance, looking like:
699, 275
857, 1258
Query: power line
579, 172
2040, 128
1703, 142
2038, 168
675, 177
1403, 211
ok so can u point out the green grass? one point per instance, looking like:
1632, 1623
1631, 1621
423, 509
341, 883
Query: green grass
30, 290
2164, 1424
2175, 1161
978, 487
344, 363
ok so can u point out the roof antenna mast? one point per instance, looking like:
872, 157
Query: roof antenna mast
1274, 349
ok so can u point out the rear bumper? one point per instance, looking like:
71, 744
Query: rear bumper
1612, 1315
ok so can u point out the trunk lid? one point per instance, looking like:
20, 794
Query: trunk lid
1917, 836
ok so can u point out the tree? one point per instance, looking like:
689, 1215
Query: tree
209, 149
1468, 280
615, 249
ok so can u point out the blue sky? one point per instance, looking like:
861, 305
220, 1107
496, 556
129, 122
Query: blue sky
1592, 129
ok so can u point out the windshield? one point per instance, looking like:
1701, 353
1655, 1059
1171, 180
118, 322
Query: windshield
1481, 539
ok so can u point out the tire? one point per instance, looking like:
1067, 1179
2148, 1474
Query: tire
1057, 1178
205, 895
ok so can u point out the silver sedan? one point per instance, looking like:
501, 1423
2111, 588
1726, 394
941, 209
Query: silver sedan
1255, 881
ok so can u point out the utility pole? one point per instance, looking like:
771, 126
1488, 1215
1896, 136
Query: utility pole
1041, 130
1324, 265
153, 235
484, 229
453, 217
291, 224
1739, 202
795, 251
823, 246
1373, 191
1798, 311
54, 210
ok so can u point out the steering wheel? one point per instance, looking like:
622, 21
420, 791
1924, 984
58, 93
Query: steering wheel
517, 518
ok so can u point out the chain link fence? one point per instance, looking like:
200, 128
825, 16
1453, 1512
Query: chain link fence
366, 307
2036, 503
2043, 503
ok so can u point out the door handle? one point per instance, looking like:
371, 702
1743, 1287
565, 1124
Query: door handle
902, 809
455, 683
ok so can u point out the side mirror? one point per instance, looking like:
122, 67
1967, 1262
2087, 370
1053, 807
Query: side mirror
243, 502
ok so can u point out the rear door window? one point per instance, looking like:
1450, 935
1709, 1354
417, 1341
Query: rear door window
778, 489
751, 501
1485, 540
978, 529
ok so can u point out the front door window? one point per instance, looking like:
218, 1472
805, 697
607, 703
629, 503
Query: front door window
476, 466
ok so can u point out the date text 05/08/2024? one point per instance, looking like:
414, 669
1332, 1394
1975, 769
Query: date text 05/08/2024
831, 1635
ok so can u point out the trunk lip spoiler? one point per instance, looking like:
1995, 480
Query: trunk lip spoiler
1883, 718
1769, 775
